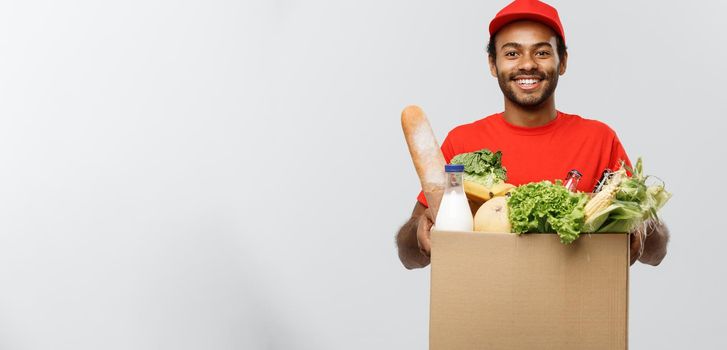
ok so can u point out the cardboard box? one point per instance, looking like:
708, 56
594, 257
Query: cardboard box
504, 291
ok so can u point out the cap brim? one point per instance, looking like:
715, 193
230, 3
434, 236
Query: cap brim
502, 21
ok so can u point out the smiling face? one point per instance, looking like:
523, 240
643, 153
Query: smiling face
526, 63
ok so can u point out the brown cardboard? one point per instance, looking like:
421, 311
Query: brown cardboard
506, 291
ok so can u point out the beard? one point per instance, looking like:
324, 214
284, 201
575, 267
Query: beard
528, 100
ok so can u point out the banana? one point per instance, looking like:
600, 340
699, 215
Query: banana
479, 193
476, 192
502, 189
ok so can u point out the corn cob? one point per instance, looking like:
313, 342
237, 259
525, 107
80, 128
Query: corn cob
604, 198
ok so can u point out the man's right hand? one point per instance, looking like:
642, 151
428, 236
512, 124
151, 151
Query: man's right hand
413, 239
424, 234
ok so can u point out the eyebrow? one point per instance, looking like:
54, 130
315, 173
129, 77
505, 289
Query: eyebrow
518, 46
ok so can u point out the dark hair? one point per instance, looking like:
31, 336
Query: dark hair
560, 47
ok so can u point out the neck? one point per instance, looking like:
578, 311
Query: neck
530, 117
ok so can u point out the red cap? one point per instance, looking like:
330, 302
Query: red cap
528, 9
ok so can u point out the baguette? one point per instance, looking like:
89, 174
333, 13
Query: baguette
425, 153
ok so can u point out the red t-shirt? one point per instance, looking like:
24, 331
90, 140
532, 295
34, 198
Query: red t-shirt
546, 152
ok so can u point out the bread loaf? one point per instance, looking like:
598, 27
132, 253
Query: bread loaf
425, 153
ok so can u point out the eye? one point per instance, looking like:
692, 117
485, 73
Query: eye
510, 54
543, 53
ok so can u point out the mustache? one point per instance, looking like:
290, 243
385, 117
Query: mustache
534, 73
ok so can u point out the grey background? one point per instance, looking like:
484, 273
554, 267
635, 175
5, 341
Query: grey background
230, 175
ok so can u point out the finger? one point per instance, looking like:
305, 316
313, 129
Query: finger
635, 245
423, 236
425, 244
426, 251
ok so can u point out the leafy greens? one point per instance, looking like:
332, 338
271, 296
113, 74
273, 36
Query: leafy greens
483, 167
547, 207
635, 202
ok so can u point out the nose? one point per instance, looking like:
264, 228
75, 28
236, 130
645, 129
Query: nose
527, 63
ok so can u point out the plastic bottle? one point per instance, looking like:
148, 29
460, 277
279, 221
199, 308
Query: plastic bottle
454, 211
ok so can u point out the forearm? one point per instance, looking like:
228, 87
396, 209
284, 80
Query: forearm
406, 241
655, 242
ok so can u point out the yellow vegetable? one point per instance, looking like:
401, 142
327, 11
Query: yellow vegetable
604, 198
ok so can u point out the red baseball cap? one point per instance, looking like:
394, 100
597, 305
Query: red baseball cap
528, 9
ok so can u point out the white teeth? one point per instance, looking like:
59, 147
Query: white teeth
527, 81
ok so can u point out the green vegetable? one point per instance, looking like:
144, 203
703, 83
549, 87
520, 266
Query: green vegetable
635, 202
483, 167
547, 207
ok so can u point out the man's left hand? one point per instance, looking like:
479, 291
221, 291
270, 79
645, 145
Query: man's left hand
648, 243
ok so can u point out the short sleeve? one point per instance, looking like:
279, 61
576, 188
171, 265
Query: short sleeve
448, 153
618, 154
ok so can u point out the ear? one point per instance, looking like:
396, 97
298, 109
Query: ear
493, 68
563, 64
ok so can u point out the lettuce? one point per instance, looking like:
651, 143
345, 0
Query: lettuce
547, 207
483, 167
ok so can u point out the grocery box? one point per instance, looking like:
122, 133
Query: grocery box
529, 291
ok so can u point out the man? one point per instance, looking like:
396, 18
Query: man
527, 54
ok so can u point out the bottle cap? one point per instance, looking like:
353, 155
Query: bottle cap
454, 168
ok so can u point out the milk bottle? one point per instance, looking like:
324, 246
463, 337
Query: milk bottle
454, 211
